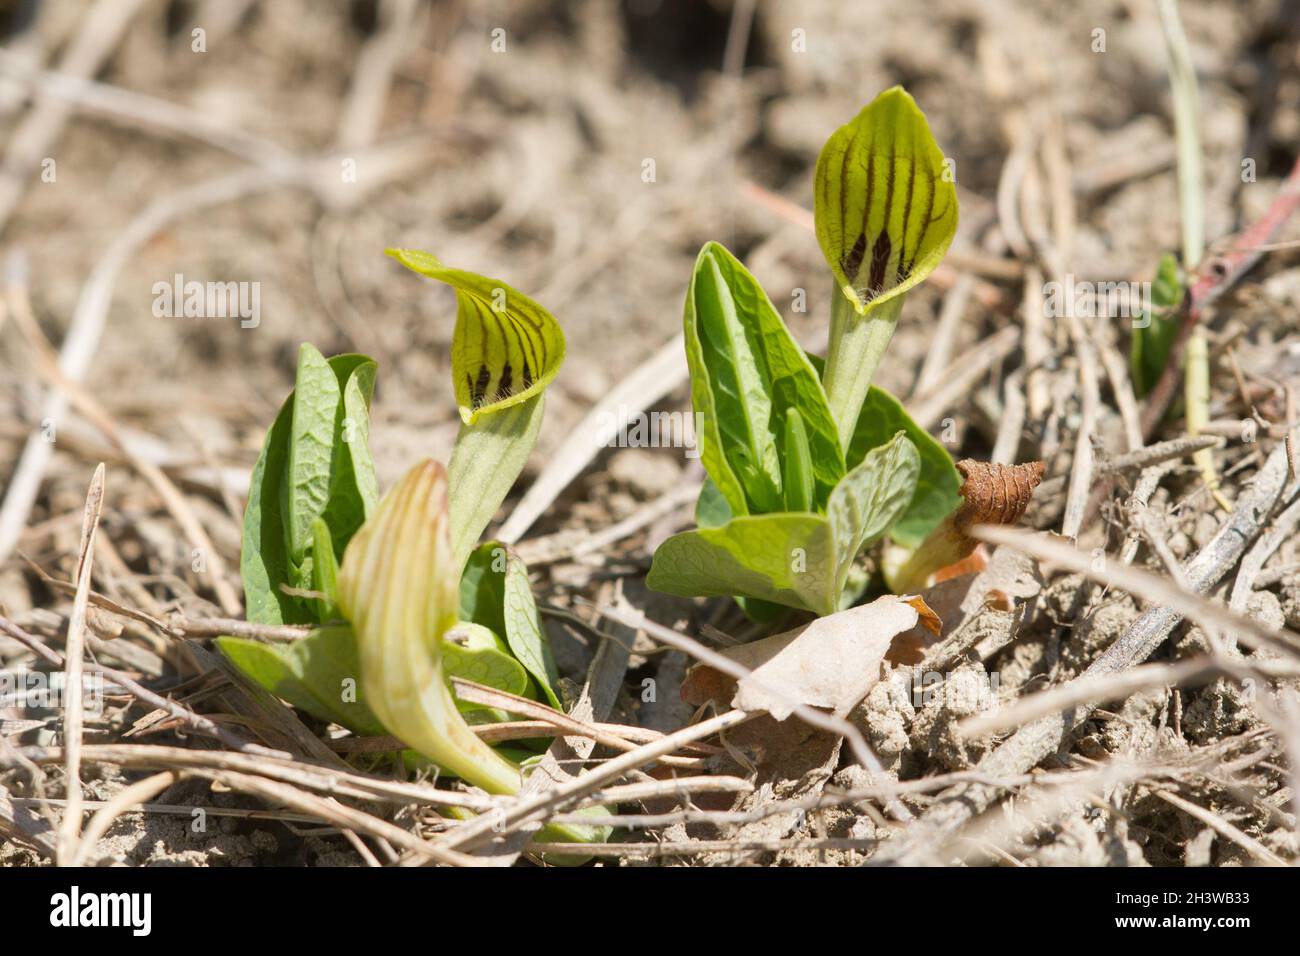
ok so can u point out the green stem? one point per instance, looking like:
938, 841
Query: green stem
857, 343
1196, 399
485, 462
1191, 204
1182, 83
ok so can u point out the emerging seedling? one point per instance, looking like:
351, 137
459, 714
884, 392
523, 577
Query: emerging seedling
1191, 205
398, 585
885, 214
1153, 338
416, 600
505, 350
398, 588
808, 466
786, 511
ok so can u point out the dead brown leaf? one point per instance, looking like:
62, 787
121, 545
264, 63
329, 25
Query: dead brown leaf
832, 662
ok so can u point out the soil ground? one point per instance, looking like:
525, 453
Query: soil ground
531, 164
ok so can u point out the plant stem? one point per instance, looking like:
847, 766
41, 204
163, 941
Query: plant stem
1191, 205
857, 343
1182, 82
485, 462
1196, 398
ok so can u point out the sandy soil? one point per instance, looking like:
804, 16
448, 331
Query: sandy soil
530, 164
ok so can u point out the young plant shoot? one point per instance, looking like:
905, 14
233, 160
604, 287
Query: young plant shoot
505, 350
885, 210
416, 600
809, 465
398, 589
1154, 336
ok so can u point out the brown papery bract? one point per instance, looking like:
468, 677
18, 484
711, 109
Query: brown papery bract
995, 494
991, 494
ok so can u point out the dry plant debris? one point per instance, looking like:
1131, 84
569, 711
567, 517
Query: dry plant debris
1114, 681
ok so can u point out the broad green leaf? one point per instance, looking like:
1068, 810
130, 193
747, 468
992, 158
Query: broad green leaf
782, 558
485, 463
798, 560
761, 612
317, 406
712, 511
482, 586
525, 633
937, 483
494, 592
505, 348
711, 508
938, 486
319, 674
473, 652
355, 492
746, 371
264, 553
884, 205
870, 499
267, 558
729, 351
709, 412
1150, 347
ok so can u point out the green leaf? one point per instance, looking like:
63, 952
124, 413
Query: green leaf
269, 558
525, 633
482, 587
796, 465
712, 511
494, 592
711, 508
870, 499
1154, 338
505, 349
473, 652
799, 560
782, 558
264, 554
354, 491
319, 673
730, 370
325, 569
317, 403
938, 484
761, 612
884, 205
746, 372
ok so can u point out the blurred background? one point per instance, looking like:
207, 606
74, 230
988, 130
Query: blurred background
581, 151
